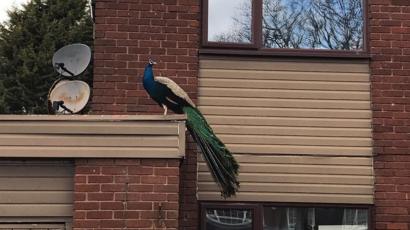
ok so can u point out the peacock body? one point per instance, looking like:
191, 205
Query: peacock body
220, 161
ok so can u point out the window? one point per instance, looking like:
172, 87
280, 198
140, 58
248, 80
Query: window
231, 217
322, 218
279, 217
272, 25
228, 218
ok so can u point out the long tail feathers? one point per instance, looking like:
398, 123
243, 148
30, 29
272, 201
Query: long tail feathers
222, 164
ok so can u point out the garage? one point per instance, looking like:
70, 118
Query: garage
36, 194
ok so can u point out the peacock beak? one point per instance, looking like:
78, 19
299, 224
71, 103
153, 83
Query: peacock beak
152, 62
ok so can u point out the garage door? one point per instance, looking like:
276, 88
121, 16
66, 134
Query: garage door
33, 226
36, 189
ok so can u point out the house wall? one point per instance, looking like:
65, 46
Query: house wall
299, 128
389, 32
127, 33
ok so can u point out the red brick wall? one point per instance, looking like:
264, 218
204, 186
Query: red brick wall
189, 209
127, 32
124, 193
389, 33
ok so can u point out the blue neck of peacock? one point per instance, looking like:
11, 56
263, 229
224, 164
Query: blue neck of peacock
148, 73
148, 79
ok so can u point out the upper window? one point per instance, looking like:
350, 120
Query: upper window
285, 24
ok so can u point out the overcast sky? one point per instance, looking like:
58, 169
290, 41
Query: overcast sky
220, 13
7, 5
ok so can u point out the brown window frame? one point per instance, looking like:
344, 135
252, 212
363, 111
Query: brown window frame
255, 48
257, 209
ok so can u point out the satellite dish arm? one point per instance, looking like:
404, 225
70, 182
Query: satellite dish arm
61, 66
58, 104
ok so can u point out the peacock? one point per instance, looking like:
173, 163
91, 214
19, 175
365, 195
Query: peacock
221, 162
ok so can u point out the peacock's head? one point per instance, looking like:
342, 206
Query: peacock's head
151, 62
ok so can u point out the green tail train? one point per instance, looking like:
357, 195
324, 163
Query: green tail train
221, 163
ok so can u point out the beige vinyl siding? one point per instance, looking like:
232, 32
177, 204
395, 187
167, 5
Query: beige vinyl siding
36, 189
92, 136
301, 130
37, 226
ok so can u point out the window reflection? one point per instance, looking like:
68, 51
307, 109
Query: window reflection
295, 218
295, 24
230, 21
228, 219
313, 24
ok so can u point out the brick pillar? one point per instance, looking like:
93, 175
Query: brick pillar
126, 34
389, 31
132, 194
189, 208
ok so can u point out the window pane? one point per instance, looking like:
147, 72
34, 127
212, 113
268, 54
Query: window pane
230, 21
313, 24
298, 218
228, 219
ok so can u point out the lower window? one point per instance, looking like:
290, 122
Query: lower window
222, 217
278, 217
323, 218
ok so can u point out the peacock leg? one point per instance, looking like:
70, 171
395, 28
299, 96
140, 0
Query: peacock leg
165, 109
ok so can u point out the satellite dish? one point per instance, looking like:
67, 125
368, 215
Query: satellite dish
72, 60
69, 96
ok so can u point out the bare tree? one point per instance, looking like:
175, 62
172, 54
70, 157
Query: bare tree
283, 23
338, 24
